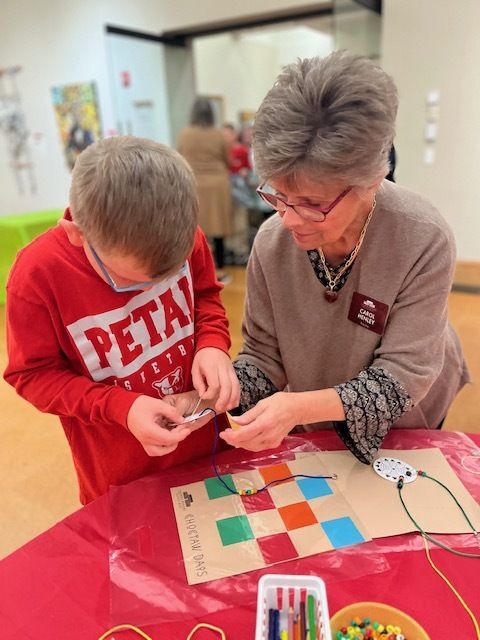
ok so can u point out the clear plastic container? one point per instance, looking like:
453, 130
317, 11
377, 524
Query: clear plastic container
280, 591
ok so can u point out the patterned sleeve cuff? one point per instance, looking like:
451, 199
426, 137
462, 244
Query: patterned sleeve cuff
373, 402
254, 386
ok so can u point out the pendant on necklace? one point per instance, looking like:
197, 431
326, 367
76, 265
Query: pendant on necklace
330, 296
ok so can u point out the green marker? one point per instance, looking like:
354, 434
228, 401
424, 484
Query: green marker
312, 627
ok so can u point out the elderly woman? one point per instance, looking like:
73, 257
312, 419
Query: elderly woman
347, 289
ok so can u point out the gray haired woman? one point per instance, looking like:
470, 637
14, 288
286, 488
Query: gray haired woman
346, 313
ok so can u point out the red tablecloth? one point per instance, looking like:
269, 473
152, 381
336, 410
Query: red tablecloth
57, 586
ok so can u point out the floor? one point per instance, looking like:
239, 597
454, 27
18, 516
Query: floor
36, 473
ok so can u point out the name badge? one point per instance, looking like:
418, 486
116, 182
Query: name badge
368, 313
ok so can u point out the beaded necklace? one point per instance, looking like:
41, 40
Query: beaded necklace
330, 294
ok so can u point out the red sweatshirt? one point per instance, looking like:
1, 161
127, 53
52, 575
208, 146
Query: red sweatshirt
82, 351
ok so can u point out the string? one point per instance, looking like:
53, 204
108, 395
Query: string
124, 627
142, 634
424, 533
247, 492
450, 585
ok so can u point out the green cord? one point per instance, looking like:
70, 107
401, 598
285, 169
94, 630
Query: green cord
425, 475
424, 533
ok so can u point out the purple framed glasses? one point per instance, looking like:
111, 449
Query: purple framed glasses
307, 212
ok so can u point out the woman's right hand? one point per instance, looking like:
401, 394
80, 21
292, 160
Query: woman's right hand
148, 421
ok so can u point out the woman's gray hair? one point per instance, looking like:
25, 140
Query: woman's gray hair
138, 198
327, 118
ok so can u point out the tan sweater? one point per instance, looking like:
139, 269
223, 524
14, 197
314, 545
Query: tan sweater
301, 342
206, 150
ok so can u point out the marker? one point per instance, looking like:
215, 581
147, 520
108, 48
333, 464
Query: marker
276, 624
271, 624
303, 621
312, 627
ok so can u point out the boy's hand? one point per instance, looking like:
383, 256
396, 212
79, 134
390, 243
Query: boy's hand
214, 377
147, 421
185, 403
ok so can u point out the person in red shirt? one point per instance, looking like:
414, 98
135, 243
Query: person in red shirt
114, 318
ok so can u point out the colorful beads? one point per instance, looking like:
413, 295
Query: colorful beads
247, 492
365, 629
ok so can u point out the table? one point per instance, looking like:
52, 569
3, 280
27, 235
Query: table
18, 230
57, 585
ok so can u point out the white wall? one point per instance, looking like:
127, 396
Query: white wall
432, 44
234, 79
435, 45
250, 62
63, 42
55, 45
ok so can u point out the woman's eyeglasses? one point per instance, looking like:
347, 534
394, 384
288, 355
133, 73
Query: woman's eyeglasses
307, 212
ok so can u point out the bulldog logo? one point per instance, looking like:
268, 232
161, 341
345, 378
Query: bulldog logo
170, 384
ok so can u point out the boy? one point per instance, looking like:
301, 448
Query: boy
118, 308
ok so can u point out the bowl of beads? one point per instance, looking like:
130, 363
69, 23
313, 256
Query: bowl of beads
374, 621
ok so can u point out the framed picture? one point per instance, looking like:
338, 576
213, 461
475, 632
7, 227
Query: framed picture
78, 117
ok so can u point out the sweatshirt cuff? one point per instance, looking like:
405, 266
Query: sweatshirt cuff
118, 405
216, 342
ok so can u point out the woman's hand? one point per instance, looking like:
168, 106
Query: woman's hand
266, 425
214, 378
148, 420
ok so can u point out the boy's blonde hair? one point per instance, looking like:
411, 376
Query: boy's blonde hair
137, 198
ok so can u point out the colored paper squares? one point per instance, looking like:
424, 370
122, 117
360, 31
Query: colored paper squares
275, 472
314, 487
215, 489
277, 548
342, 532
297, 515
266, 523
310, 540
286, 493
258, 502
235, 529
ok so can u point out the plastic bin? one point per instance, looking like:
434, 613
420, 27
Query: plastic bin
288, 588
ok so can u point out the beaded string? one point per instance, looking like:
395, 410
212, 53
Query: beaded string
427, 536
250, 492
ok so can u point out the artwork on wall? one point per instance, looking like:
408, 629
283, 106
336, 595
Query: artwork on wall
14, 128
78, 118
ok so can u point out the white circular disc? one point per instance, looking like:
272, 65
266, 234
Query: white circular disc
391, 469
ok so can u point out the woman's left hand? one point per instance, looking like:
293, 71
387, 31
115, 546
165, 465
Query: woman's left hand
266, 424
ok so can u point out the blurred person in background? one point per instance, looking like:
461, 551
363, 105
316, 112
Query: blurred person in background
204, 147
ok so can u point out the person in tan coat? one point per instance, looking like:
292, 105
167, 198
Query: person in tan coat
205, 149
